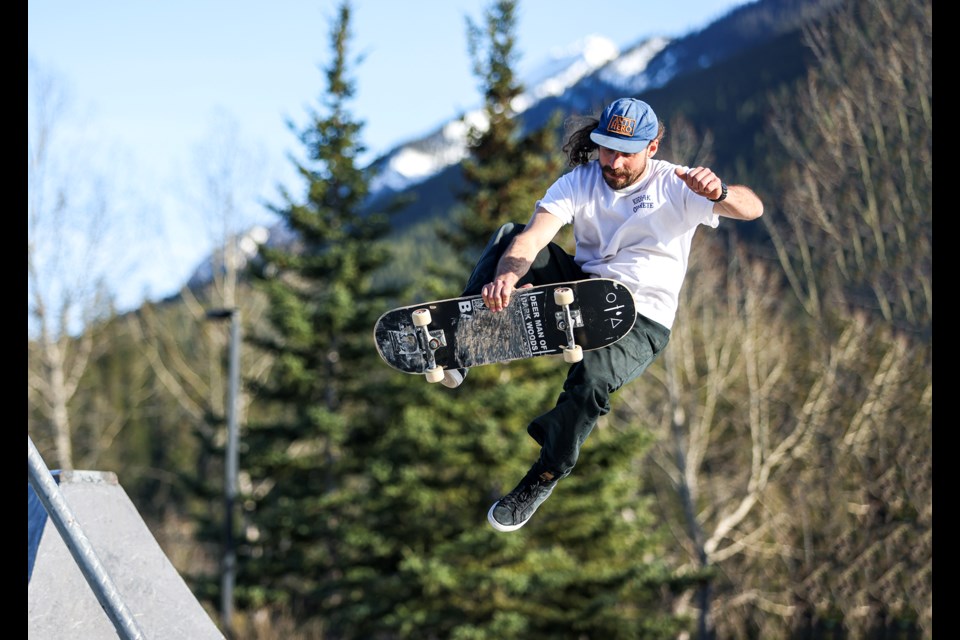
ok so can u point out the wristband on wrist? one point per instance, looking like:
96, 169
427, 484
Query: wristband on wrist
723, 194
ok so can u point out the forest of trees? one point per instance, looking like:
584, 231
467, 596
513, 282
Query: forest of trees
770, 476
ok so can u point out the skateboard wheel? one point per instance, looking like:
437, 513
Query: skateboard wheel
435, 374
421, 317
563, 296
573, 355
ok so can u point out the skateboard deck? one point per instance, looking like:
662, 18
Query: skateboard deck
564, 318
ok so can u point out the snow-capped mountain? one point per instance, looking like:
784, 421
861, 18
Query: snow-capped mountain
581, 79
246, 246
413, 162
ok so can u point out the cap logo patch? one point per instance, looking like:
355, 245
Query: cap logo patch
621, 126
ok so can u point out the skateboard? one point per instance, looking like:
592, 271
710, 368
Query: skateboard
565, 318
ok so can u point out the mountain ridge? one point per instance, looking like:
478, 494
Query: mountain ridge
425, 168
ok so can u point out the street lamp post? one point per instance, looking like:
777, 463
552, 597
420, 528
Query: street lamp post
228, 576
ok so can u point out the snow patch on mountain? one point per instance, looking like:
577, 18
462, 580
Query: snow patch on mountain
247, 245
415, 162
565, 68
631, 67
412, 163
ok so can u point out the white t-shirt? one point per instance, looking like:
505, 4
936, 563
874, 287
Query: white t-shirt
639, 236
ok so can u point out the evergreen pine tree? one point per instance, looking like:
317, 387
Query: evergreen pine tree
508, 167
322, 305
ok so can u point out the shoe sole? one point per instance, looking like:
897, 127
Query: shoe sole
502, 527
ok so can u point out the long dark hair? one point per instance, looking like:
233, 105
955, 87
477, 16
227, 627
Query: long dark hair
579, 147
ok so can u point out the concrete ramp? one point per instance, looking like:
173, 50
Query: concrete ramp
60, 602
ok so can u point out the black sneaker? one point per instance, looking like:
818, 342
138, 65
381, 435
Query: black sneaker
453, 378
512, 511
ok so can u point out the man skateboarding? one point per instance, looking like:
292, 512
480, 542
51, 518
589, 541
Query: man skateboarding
633, 220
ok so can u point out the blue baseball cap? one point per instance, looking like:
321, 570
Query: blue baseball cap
627, 125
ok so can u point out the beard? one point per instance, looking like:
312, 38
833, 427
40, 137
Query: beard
622, 178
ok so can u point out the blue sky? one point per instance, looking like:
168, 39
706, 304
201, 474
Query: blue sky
152, 79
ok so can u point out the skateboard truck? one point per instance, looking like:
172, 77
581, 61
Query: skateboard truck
428, 344
563, 296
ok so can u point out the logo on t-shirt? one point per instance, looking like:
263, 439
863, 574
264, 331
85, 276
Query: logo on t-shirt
642, 201
622, 126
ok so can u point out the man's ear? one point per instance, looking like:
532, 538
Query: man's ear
652, 148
